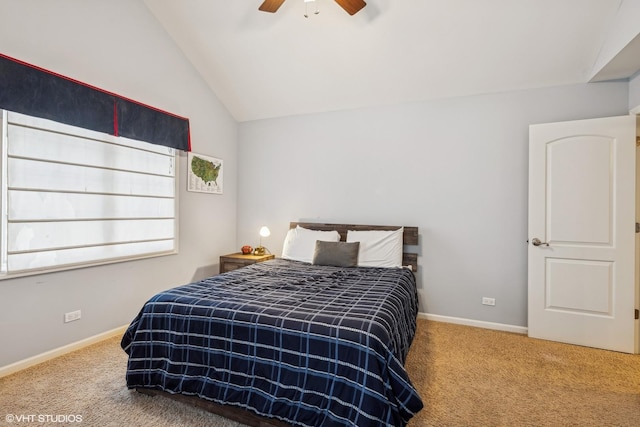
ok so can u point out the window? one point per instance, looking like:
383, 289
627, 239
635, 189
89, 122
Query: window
73, 197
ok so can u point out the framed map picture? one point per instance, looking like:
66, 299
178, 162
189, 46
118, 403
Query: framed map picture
204, 174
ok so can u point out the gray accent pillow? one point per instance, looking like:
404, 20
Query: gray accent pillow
337, 254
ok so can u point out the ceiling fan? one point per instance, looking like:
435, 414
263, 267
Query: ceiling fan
350, 6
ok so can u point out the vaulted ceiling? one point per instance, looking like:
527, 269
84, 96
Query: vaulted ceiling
264, 65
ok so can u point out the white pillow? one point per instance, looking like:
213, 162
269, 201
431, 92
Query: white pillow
300, 243
378, 248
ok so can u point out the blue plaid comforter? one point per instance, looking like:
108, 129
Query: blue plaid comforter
308, 345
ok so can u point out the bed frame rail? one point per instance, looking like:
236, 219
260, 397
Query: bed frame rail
230, 412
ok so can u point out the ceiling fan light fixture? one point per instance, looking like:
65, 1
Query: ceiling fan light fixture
306, 8
350, 6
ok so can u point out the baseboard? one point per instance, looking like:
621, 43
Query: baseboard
56, 352
476, 323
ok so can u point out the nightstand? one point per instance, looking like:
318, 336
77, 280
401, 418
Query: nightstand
238, 260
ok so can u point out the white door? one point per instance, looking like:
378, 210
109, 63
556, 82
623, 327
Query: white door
582, 201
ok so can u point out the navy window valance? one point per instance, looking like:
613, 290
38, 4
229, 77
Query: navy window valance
32, 90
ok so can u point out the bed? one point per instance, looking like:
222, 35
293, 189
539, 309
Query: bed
287, 342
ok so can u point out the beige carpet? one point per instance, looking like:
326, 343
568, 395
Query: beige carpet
466, 377
479, 377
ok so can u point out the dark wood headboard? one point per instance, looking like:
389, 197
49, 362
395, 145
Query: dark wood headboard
409, 236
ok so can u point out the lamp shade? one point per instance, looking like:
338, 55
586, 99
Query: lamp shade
265, 232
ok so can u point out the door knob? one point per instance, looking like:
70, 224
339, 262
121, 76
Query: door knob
536, 242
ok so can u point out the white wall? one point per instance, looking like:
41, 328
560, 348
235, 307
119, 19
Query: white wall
117, 45
634, 91
456, 168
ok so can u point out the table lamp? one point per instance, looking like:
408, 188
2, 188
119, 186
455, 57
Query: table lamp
264, 232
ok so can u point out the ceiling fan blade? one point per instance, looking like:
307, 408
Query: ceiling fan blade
270, 5
351, 6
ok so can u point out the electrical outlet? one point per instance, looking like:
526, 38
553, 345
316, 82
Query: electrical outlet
72, 315
488, 301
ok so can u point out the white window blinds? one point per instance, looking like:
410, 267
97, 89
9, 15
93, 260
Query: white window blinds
72, 197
